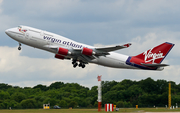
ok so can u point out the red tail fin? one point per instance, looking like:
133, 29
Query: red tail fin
154, 55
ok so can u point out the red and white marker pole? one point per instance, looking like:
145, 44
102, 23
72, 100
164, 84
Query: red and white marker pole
99, 93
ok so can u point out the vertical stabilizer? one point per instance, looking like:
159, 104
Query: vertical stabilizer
156, 54
151, 58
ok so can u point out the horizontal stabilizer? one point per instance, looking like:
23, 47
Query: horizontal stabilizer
155, 65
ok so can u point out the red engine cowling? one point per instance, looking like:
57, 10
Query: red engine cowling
59, 57
87, 51
63, 51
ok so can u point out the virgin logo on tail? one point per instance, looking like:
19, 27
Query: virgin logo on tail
154, 55
149, 56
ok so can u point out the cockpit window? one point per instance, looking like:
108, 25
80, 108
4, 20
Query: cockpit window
19, 26
22, 30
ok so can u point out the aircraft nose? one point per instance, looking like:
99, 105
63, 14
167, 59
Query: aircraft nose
6, 31
10, 31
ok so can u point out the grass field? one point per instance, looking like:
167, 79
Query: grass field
88, 110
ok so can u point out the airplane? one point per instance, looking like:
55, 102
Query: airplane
82, 54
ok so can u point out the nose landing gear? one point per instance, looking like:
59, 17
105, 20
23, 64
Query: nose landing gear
19, 48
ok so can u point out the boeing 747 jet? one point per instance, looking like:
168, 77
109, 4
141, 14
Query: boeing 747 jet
82, 54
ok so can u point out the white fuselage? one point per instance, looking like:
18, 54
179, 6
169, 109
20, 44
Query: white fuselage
44, 40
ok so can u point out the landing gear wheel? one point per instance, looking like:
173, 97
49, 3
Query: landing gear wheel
83, 66
80, 65
19, 48
74, 61
75, 64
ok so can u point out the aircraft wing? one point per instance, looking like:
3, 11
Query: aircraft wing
87, 54
113, 48
102, 51
97, 51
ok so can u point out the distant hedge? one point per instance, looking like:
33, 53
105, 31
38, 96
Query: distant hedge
127, 93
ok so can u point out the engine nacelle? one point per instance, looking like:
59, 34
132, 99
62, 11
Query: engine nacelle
87, 51
59, 57
63, 51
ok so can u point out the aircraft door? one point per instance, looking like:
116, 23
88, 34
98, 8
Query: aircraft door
27, 35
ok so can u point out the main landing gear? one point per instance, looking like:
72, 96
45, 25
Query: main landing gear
81, 64
19, 48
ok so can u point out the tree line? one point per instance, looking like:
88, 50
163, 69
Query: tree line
127, 93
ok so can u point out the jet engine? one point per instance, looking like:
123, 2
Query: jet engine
59, 57
64, 51
87, 51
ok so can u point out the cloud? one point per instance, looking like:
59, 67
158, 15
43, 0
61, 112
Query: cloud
17, 69
1, 1
143, 23
106, 21
77, 11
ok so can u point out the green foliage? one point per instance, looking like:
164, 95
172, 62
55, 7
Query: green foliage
53, 101
18, 97
2, 106
5, 86
72, 104
4, 95
29, 103
120, 104
42, 87
63, 103
127, 93
56, 85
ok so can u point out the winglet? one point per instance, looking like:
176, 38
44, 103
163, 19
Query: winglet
127, 45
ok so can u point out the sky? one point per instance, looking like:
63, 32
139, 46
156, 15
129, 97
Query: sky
144, 23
